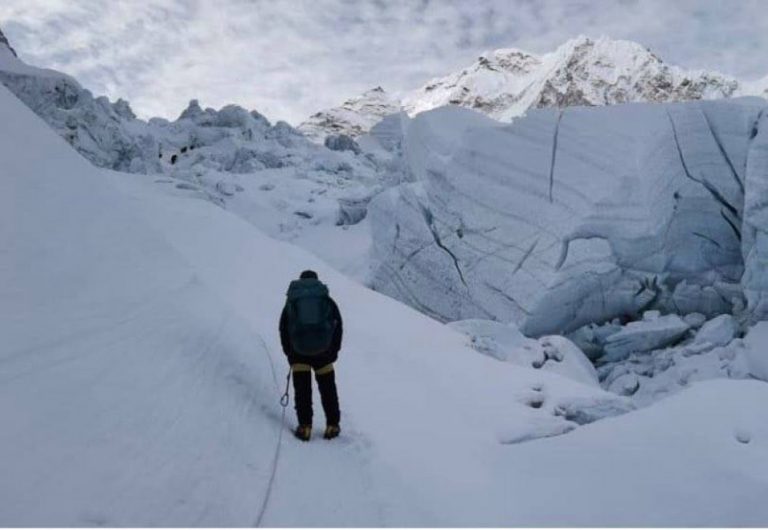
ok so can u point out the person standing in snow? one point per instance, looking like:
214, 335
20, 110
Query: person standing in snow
310, 333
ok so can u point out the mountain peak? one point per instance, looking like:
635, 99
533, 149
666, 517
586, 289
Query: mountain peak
353, 117
587, 71
506, 82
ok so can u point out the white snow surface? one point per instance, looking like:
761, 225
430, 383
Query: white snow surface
140, 373
757, 350
506, 343
565, 218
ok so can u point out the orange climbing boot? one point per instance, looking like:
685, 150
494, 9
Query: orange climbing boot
303, 432
331, 432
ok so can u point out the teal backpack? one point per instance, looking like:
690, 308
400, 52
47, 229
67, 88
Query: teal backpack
311, 322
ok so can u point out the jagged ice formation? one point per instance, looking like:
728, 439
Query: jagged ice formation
565, 218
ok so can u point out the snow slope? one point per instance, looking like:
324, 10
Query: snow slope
120, 370
140, 372
561, 219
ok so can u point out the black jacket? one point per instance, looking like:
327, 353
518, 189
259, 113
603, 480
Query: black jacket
316, 360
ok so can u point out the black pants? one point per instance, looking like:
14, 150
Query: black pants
302, 387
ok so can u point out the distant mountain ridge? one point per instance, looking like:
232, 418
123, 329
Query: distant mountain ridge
505, 83
354, 117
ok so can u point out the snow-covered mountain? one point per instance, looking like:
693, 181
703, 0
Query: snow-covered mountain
505, 83
354, 117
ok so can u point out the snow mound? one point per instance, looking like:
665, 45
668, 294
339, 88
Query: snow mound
567, 218
719, 331
650, 333
505, 343
756, 342
648, 468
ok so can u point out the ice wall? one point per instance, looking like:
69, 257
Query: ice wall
575, 216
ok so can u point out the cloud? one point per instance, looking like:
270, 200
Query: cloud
290, 58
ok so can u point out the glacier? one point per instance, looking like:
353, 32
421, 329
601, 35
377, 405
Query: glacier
140, 369
140, 374
568, 217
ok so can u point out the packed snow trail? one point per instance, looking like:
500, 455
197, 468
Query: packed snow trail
135, 389
284, 400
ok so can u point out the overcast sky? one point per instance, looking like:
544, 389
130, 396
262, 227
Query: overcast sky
290, 58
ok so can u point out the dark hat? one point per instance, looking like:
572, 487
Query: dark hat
308, 274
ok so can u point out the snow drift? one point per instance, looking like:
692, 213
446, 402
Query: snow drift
569, 217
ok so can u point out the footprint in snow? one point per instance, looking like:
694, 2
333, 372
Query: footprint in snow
742, 436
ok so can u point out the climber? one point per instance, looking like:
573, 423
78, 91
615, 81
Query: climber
310, 332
